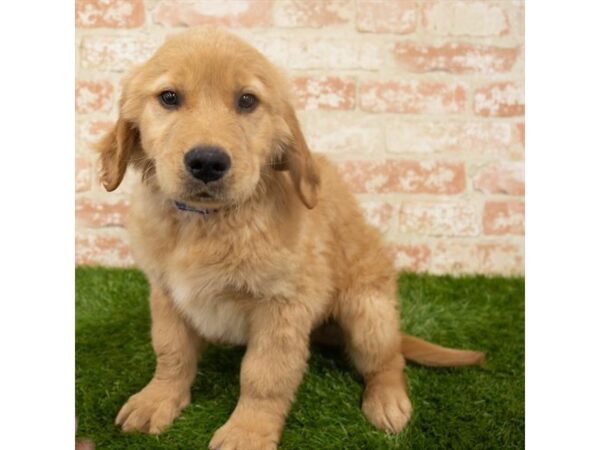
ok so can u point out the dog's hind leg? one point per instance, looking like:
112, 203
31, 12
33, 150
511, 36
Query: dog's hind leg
369, 320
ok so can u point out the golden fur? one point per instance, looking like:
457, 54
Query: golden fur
285, 250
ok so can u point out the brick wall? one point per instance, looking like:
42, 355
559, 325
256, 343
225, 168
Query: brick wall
421, 102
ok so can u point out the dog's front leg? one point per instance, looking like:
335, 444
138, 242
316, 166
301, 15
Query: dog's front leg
176, 346
272, 369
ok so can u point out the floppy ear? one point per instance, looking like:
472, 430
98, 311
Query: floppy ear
297, 159
119, 146
116, 150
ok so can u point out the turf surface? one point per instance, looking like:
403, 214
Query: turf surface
469, 408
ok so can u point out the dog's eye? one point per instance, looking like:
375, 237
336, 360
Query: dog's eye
247, 102
169, 99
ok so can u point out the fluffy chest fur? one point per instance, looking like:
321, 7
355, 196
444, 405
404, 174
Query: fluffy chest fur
217, 313
214, 279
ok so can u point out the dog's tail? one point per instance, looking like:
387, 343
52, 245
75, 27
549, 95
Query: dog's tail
429, 354
413, 349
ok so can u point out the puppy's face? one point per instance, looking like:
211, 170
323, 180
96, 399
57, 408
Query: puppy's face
206, 117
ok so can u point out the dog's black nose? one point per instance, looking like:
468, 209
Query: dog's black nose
207, 163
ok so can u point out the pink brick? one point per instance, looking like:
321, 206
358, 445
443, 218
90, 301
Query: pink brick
501, 99
230, 13
106, 248
504, 217
378, 213
93, 96
472, 137
83, 174
515, 11
412, 258
97, 213
275, 48
455, 57
464, 18
312, 13
506, 258
91, 131
455, 257
343, 134
426, 177
334, 53
386, 16
109, 13
116, 53
506, 177
306, 52
521, 132
439, 218
413, 97
501, 258
323, 92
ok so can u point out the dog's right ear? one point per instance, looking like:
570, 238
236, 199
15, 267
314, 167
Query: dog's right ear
116, 150
122, 142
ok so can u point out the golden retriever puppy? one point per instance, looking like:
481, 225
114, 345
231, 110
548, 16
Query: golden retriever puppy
246, 237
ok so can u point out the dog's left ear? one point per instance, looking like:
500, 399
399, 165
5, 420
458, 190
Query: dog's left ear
116, 149
297, 159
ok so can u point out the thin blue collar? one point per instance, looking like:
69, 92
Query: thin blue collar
183, 207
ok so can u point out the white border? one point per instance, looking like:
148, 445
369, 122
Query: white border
563, 224
37, 225
36, 235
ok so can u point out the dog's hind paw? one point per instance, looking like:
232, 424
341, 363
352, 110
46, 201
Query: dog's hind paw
387, 406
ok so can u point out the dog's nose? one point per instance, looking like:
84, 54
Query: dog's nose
207, 163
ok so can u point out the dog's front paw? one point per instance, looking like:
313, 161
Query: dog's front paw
387, 406
243, 435
152, 409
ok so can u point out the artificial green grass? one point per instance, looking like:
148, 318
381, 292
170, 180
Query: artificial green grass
467, 408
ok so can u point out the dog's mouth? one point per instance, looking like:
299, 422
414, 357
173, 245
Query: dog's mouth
206, 197
202, 198
201, 192
220, 194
